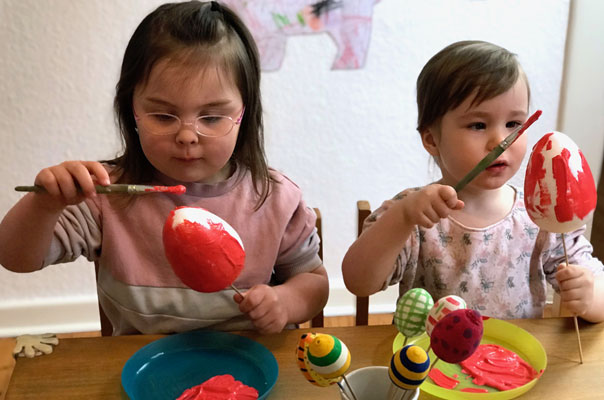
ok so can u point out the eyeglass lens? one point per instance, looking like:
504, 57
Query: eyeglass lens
167, 124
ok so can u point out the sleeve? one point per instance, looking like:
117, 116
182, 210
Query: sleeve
579, 252
299, 251
77, 233
405, 266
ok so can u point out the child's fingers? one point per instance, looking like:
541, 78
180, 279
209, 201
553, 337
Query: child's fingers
48, 181
97, 170
448, 195
80, 173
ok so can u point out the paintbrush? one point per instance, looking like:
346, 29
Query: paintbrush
118, 189
496, 152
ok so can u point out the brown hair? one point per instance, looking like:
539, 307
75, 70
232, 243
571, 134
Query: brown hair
199, 32
460, 70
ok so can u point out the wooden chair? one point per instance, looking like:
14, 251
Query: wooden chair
316, 322
362, 312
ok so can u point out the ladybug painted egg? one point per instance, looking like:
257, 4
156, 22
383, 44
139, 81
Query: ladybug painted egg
412, 310
442, 307
559, 189
205, 252
457, 335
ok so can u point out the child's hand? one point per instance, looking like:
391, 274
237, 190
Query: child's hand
576, 288
429, 205
62, 181
263, 307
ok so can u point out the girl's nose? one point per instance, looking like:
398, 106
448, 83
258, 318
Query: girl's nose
187, 134
496, 137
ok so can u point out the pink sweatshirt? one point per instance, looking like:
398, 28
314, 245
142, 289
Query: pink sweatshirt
137, 288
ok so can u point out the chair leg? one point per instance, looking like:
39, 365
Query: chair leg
362, 317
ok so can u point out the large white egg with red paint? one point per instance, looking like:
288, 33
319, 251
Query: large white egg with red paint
205, 252
559, 189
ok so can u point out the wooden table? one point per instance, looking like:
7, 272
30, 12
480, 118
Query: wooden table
90, 368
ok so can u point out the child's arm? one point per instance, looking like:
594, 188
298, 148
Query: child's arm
298, 299
370, 259
27, 229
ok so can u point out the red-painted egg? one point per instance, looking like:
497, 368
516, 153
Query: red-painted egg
205, 252
559, 189
457, 335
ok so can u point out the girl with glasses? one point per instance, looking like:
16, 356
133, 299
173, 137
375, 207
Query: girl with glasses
480, 243
189, 112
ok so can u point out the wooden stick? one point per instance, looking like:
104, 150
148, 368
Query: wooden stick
349, 387
237, 290
574, 316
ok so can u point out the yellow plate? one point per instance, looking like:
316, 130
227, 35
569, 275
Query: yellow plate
497, 332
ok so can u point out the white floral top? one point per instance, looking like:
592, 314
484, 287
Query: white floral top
500, 270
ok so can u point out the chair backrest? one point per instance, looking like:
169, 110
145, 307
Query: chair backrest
316, 322
362, 313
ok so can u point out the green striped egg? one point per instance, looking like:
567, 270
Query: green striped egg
411, 312
328, 356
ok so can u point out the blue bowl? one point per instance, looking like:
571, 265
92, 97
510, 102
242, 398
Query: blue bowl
165, 368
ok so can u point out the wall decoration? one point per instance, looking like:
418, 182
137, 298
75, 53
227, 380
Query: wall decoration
348, 22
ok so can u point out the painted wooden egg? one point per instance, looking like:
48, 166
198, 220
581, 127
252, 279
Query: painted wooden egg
409, 367
412, 310
559, 189
205, 252
457, 335
442, 307
328, 356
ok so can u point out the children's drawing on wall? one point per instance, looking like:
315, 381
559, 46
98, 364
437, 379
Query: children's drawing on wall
348, 22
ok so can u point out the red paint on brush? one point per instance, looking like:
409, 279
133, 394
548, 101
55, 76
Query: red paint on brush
574, 196
530, 121
178, 189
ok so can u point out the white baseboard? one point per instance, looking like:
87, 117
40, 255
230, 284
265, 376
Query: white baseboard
80, 314
342, 302
55, 315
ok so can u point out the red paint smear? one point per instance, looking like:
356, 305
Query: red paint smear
574, 196
535, 172
500, 368
473, 390
220, 387
441, 379
206, 260
178, 189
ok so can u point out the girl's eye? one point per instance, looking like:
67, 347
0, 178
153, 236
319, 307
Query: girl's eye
162, 118
477, 126
513, 124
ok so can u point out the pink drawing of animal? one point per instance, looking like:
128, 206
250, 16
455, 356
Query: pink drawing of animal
348, 22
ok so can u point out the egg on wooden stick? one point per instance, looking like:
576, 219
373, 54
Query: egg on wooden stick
412, 310
205, 252
559, 190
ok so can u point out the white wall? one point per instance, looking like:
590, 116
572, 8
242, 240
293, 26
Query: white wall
341, 135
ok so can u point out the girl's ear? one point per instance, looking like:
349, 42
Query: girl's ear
429, 140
